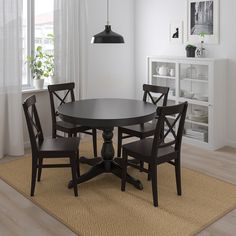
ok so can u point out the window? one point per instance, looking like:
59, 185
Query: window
37, 31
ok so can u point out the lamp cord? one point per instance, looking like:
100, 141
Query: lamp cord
108, 12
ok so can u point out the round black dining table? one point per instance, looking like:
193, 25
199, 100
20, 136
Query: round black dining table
105, 114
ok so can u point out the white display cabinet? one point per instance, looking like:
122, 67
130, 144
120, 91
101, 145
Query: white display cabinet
202, 83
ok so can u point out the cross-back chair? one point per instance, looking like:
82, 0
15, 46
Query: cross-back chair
147, 129
63, 93
48, 148
161, 148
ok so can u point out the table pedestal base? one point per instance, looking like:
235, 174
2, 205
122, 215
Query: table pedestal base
104, 166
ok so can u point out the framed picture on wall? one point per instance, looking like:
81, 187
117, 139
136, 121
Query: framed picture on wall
176, 32
202, 19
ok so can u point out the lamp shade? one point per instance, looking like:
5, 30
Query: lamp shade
107, 36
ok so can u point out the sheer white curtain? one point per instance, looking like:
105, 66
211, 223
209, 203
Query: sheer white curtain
11, 130
70, 29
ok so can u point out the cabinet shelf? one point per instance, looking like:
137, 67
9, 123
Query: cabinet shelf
194, 101
164, 77
196, 123
195, 80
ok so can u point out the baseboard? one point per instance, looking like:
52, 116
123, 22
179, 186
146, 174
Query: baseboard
231, 143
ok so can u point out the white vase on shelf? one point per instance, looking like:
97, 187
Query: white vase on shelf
38, 83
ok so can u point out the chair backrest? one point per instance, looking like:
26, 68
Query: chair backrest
55, 90
166, 127
160, 93
33, 123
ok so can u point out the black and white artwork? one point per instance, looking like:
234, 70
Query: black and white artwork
203, 18
176, 32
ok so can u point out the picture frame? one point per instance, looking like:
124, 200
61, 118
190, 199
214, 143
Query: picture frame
176, 32
202, 21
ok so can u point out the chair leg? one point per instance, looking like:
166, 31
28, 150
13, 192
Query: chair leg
73, 163
154, 184
178, 176
124, 170
95, 142
54, 133
149, 172
119, 145
78, 164
34, 175
40, 169
70, 135
141, 163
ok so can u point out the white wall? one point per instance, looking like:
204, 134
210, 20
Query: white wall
152, 18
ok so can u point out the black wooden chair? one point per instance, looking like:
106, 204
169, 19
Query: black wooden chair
49, 148
147, 129
159, 149
59, 125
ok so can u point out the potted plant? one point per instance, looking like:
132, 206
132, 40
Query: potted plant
37, 67
190, 50
42, 66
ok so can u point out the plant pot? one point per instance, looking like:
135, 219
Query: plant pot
190, 52
38, 83
53, 80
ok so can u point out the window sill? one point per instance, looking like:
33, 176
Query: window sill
33, 90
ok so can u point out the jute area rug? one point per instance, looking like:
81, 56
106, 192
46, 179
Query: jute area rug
103, 210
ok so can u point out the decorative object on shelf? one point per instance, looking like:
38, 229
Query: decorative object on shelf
176, 32
162, 70
190, 50
203, 16
201, 97
38, 83
172, 72
200, 52
42, 66
187, 94
107, 36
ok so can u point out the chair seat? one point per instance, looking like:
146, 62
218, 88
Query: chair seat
65, 126
59, 145
144, 130
143, 148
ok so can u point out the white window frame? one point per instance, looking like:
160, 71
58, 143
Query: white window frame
30, 41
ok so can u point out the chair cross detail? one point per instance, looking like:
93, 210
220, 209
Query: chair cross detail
169, 130
61, 99
157, 99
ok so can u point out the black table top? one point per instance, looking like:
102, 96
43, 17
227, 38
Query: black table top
107, 112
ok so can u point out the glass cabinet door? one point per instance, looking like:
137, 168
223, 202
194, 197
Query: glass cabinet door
194, 82
197, 122
164, 74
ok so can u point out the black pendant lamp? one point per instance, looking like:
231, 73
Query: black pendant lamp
107, 36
